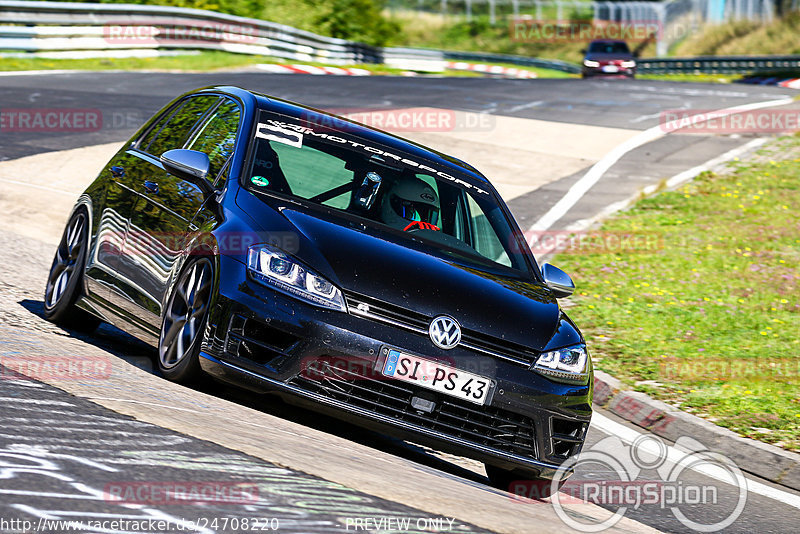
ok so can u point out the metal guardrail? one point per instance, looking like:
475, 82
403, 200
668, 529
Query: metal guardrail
719, 65
64, 27
32, 26
563, 66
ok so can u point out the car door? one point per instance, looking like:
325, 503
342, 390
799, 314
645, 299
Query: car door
144, 265
120, 176
180, 201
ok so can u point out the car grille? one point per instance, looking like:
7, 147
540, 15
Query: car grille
258, 342
377, 310
483, 425
566, 437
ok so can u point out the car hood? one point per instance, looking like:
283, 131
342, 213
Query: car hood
363, 260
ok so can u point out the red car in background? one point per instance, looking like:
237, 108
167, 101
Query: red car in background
608, 57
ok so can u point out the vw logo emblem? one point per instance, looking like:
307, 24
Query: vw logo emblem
445, 332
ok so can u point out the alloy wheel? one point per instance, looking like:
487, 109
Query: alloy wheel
65, 265
185, 313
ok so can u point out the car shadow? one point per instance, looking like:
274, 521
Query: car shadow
135, 352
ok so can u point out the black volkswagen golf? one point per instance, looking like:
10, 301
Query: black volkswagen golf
290, 251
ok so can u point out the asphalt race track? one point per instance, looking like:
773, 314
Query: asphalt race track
66, 450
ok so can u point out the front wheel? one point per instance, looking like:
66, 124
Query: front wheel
184, 320
521, 483
66, 274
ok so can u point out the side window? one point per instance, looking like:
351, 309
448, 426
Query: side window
174, 132
217, 137
158, 126
485, 238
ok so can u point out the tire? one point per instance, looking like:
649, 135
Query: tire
520, 483
65, 280
185, 318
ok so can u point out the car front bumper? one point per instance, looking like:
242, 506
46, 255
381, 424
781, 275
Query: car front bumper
268, 342
598, 71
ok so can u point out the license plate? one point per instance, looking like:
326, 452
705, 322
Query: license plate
438, 377
610, 68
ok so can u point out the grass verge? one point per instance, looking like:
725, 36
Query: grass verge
743, 37
697, 78
707, 319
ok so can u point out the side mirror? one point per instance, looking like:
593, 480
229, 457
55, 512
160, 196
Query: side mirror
583, 51
189, 165
557, 280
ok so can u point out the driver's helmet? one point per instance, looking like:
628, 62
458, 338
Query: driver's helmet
408, 201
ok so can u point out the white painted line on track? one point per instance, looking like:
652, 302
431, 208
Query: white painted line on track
687, 175
593, 175
35, 401
42, 187
114, 399
37, 72
675, 456
525, 106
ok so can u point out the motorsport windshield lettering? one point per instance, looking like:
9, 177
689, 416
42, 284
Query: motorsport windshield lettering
268, 130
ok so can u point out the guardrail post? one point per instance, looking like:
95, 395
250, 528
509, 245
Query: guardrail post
661, 39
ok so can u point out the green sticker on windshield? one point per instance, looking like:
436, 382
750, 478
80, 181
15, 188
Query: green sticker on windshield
260, 181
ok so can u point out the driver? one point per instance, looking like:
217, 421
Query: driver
411, 204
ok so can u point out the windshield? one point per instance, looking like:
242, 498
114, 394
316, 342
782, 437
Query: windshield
609, 48
395, 191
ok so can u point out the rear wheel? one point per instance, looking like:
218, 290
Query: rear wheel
66, 274
520, 483
184, 321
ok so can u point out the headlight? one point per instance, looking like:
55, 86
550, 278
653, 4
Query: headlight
628, 64
570, 364
590, 63
277, 269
